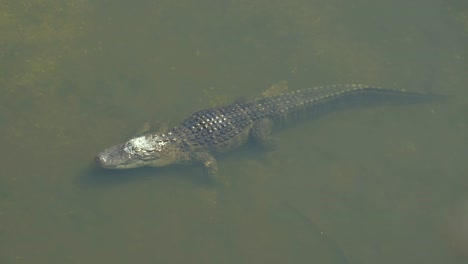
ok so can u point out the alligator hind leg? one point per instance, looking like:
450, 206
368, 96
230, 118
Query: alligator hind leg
260, 134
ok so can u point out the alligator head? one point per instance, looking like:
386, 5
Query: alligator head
148, 150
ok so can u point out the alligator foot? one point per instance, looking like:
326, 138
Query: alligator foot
210, 167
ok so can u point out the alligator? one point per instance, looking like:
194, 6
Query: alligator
216, 130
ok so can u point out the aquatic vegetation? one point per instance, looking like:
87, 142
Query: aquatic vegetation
36, 35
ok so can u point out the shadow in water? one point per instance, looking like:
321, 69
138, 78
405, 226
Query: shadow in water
95, 176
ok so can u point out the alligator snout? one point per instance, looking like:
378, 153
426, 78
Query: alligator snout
112, 158
100, 160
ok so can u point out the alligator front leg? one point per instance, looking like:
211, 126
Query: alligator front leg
152, 127
210, 166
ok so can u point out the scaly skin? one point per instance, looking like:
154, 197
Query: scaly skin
221, 129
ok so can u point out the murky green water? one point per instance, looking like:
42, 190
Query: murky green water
360, 186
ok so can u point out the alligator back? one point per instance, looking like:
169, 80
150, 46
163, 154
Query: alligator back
212, 127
